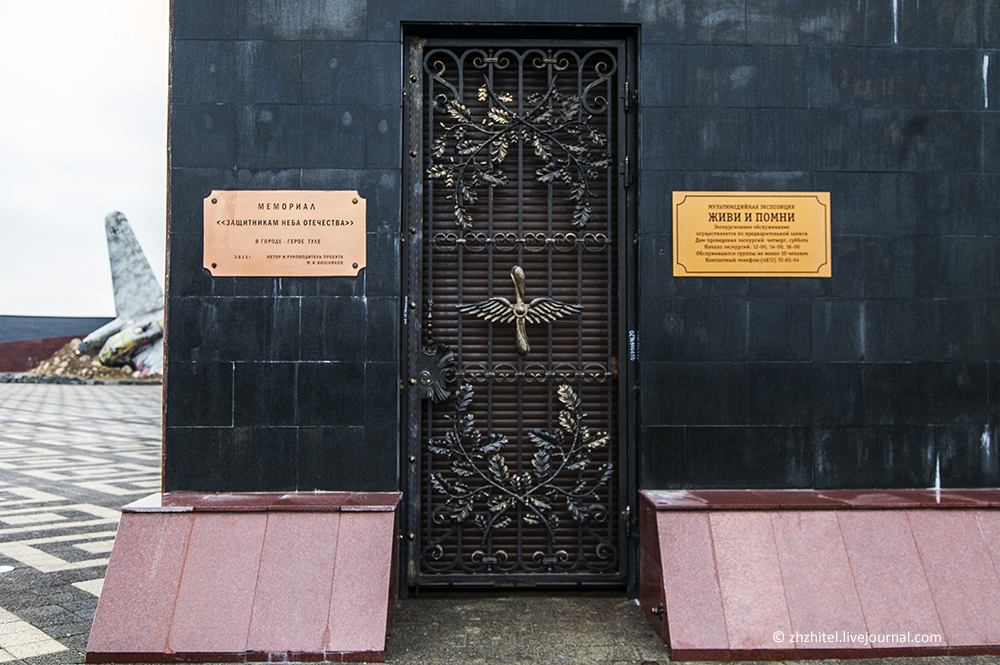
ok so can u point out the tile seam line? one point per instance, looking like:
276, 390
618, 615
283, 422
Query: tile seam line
781, 571
854, 579
923, 568
718, 580
986, 543
256, 582
180, 579
333, 576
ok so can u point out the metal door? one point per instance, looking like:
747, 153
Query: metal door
515, 313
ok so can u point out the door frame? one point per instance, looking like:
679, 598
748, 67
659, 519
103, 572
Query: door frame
411, 244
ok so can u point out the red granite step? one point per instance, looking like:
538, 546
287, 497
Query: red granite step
729, 575
249, 577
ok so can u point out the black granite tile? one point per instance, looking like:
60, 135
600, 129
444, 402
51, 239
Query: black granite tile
210, 135
334, 329
383, 145
662, 462
270, 72
831, 76
200, 395
382, 276
881, 23
207, 19
991, 23
656, 203
874, 457
265, 394
383, 21
723, 287
928, 393
382, 398
703, 393
582, 11
968, 456
724, 457
662, 326
891, 268
779, 329
748, 181
809, 22
308, 19
835, 141
191, 458
337, 458
837, 331
700, 139
330, 394
259, 459
349, 179
240, 329
991, 130
962, 332
900, 330
382, 191
661, 70
902, 204
429, 11
993, 367
940, 23
382, 441
259, 287
269, 179
746, 76
805, 394
920, 78
204, 72
352, 73
920, 141
775, 138
789, 287
957, 267
657, 285
189, 187
655, 267
689, 21
351, 287
847, 268
333, 137
185, 274
270, 136
711, 329
383, 338
853, 210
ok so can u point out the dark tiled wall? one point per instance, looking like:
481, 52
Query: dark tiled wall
867, 379
870, 378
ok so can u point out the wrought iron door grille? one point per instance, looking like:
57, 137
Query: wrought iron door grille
517, 443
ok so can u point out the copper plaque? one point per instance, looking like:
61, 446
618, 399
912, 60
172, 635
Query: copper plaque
752, 234
285, 233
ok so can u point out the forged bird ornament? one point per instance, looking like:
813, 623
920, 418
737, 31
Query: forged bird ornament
501, 310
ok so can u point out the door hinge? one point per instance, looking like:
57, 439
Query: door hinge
626, 172
631, 96
629, 522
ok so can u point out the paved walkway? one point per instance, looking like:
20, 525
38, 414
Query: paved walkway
70, 456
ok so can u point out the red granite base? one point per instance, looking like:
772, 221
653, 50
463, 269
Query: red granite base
794, 574
249, 578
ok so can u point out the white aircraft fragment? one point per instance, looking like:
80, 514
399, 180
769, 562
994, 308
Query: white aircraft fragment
136, 334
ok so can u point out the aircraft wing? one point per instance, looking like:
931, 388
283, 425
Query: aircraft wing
136, 290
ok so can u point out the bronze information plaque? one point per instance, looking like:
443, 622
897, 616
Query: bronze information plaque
284, 233
752, 234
